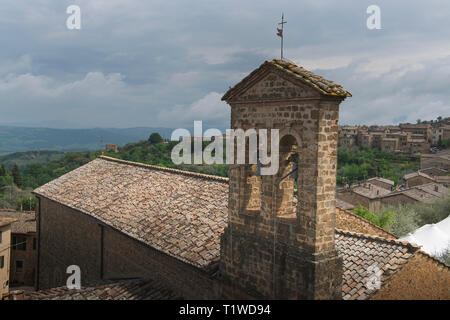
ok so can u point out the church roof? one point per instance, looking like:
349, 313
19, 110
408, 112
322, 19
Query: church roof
131, 289
183, 215
324, 86
177, 212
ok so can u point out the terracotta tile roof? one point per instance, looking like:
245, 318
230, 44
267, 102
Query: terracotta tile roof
368, 258
416, 174
370, 190
423, 193
432, 171
390, 182
342, 215
177, 212
415, 125
6, 221
344, 205
419, 195
433, 188
442, 179
136, 289
324, 86
26, 221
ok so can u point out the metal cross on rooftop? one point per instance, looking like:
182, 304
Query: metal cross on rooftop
280, 33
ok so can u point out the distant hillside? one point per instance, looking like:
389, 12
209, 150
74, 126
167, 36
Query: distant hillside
15, 139
23, 159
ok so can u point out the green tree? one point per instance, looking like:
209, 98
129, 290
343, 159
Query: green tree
27, 203
155, 138
2, 170
16, 175
384, 220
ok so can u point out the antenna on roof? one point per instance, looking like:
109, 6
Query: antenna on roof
280, 33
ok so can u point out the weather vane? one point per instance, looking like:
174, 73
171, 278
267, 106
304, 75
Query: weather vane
280, 33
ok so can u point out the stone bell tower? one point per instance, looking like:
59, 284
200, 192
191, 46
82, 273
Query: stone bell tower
279, 242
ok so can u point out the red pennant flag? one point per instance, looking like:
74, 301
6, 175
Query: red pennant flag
280, 33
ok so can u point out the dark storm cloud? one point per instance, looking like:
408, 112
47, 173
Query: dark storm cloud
166, 63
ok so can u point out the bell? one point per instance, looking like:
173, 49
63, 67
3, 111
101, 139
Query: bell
294, 172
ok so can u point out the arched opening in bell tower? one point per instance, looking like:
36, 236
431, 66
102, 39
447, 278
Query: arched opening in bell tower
251, 180
286, 183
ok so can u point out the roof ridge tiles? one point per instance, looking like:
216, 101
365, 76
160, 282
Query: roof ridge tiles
324, 86
171, 170
367, 221
409, 245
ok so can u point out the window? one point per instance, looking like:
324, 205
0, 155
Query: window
1, 237
2, 262
19, 265
34, 244
19, 243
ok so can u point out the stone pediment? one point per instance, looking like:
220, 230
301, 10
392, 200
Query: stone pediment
282, 80
274, 87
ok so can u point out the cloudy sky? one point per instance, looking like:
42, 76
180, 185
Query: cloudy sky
166, 63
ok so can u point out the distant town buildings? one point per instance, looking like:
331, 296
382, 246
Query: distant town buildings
367, 193
405, 138
424, 176
112, 147
425, 185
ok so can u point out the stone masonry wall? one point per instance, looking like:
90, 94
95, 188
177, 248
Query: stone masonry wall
316, 129
6, 254
69, 237
125, 257
421, 278
396, 200
66, 238
353, 198
381, 184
